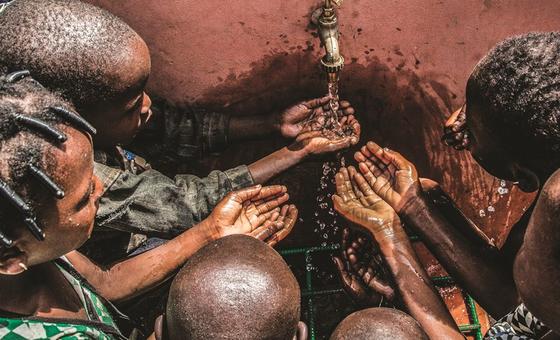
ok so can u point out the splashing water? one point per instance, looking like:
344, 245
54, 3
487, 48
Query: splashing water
328, 122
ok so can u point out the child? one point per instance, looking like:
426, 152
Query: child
378, 324
48, 201
235, 288
100, 64
509, 125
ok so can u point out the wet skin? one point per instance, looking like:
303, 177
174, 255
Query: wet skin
234, 288
378, 324
67, 224
122, 118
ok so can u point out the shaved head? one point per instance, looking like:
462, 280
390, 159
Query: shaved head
81, 51
379, 324
234, 288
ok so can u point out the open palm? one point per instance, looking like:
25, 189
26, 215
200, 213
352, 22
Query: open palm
356, 201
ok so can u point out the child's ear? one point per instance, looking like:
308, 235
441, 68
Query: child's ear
12, 261
301, 333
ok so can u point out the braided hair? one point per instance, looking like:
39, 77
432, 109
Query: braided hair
30, 121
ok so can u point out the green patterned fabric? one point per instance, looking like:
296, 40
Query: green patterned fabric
100, 323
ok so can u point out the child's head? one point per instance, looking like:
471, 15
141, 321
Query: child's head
513, 109
47, 187
379, 324
235, 288
90, 56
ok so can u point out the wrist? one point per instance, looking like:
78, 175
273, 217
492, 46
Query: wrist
410, 202
209, 230
389, 233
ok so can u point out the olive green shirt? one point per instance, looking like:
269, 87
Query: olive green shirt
140, 202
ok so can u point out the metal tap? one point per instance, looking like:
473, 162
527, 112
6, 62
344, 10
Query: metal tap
332, 62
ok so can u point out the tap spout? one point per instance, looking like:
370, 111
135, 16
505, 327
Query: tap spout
332, 61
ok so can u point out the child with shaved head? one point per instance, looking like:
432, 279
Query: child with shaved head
235, 288
101, 65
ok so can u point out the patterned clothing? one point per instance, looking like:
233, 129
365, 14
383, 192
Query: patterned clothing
517, 325
100, 323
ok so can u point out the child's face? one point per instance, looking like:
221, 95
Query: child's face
118, 122
487, 149
67, 222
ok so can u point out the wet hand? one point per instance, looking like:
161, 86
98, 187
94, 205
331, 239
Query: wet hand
314, 142
277, 226
243, 211
292, 121
391, 176
356, 201
362, 272
455, 130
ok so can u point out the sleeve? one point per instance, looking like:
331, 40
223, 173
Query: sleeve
153, 204
192, 132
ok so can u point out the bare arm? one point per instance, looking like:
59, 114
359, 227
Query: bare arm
478, 267
138, 274
307, 143
252, 211
358, 202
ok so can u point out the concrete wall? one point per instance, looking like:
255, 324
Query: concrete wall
407, 63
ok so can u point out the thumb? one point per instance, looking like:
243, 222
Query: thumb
243, 195
313, 103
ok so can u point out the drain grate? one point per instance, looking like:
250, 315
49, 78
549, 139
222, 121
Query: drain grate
310, 292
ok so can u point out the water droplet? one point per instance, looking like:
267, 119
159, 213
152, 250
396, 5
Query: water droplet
482, 213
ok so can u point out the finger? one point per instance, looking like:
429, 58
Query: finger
453, 118
341, 188
344, 275
363, 184
258, 220
398, 161
341, 143
379, 285
359, 194
313, 103
308, 135
266, 230
289, 223
283, 213
243, 195
347, 183
272, 203
270, 191
376, 152
339, 205
345, 236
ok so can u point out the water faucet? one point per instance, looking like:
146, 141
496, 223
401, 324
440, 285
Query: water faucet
332, 62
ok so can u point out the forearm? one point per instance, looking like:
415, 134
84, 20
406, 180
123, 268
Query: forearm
277, 162
133, 276
417, 292
250, 127
476, 267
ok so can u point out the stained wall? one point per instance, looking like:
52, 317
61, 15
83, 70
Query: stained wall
407, 63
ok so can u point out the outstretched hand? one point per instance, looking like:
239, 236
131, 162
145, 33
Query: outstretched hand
356, 201
314, 142
245, 210
391, 176
292, 121
362, 271
277, 226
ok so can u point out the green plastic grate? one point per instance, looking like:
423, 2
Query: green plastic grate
473, 328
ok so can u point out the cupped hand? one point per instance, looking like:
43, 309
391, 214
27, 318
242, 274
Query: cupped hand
391, 176
314, 142
362, 271
455, 132
292, 121
277, 226
356, 201
243, 211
